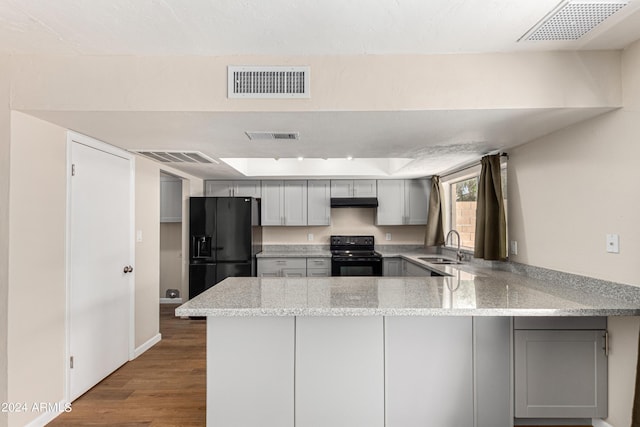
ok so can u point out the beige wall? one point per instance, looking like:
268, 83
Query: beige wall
147, 264
170, 257
37, 280
566, 191
5, 143
569, 189
364, 82
345, 221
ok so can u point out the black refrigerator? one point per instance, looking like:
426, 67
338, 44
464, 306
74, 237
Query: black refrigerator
225, 238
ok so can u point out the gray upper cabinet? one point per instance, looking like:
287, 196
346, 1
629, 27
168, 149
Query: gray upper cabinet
170, 200
215, 188
318, 202
403, 201
560, 373
353, 188
284, 203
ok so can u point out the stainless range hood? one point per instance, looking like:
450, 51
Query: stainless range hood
354, 202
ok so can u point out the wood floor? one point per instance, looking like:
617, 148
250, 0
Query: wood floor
165, 387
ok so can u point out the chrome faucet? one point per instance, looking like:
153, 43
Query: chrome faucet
459, 255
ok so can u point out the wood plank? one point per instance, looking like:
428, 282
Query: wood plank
166, 386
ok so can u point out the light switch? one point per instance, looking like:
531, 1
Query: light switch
513, 248
613, 243
138, 236
387, 236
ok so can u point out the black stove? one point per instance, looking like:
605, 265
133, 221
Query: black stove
354, 256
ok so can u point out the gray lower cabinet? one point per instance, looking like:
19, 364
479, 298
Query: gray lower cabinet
339, 372
318, 267
392, 267
560, 373
429, 371
413, 270
250, 373
282, 267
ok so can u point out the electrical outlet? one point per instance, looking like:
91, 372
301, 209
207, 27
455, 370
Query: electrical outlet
387, 236
613, 243
513, 248
310, 237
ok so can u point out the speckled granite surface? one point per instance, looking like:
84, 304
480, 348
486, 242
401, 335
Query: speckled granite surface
470, 291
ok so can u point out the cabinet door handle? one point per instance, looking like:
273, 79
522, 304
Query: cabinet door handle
606, 343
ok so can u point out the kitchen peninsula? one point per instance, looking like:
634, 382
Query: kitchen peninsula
403, 351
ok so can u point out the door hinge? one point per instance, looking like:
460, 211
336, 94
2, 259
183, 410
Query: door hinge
71, 362
73, 170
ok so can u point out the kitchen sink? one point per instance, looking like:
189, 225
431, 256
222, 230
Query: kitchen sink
439, 260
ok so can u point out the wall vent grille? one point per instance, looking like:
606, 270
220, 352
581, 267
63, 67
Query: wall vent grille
270, 136
572, 19
176, 156
268, 82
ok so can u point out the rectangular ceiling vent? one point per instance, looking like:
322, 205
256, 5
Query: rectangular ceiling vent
268, 82
176, 156
572, 19
270, 136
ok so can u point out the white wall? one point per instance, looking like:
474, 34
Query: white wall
147, 262
345, 221
37, 267
5, 143
566, 191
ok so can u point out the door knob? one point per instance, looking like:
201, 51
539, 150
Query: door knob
128, 269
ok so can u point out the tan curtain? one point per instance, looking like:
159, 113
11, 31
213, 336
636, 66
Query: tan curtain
491, 226
434, 234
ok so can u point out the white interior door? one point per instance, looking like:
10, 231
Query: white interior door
100, 249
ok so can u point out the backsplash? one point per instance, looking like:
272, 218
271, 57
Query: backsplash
347, 221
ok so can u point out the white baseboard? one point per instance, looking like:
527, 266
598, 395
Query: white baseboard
146, 346
597, 422
170, 300
47, 416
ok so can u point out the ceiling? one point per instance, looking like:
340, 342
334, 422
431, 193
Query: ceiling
435, 140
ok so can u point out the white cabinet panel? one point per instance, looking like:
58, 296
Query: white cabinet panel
560, 374
390, 202
250, 371
403, 202
365, 188
295, 203
282, 267
284, 203
492, 373
218, 188
318, 202
341, 188
429, 371
353, 188
170, 201
392, 267
339, 372
272, 203
416, 201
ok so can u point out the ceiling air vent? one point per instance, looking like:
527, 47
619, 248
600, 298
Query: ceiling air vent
176, 156
270, 136
572, 19
268, 82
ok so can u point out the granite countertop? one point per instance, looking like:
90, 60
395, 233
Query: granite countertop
469, 291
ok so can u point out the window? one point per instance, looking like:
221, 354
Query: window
463, 210
461, 192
